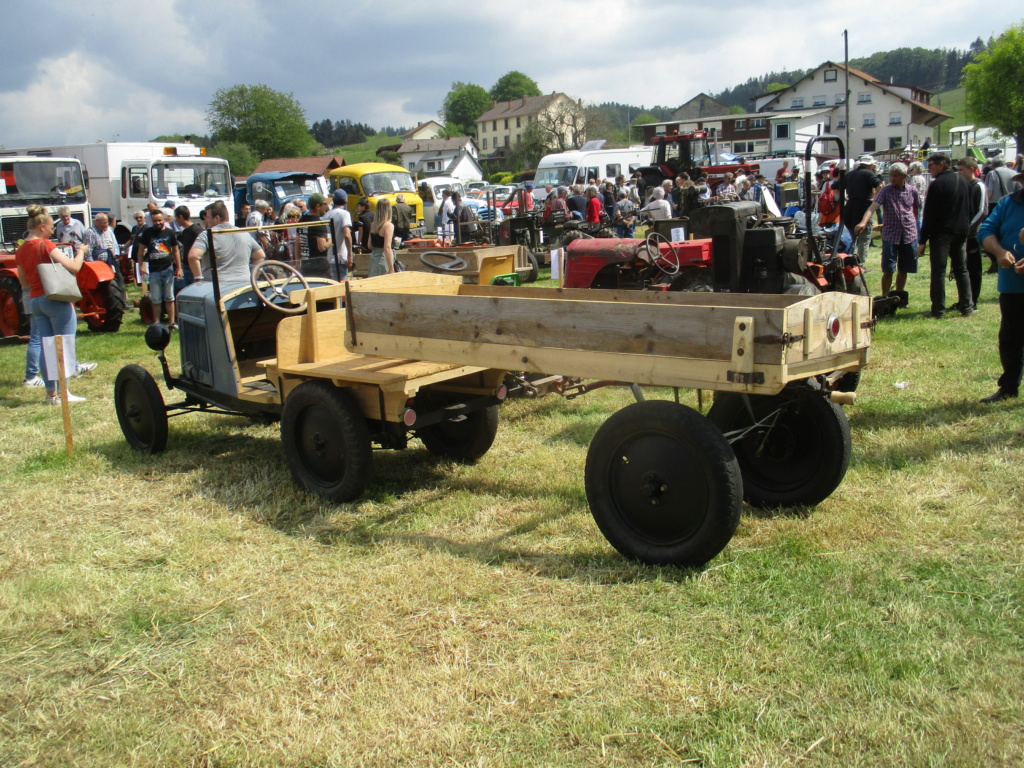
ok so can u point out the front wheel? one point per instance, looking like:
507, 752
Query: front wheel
140, 409
663, 484
793, 449
534, 272
114, 304
325, 441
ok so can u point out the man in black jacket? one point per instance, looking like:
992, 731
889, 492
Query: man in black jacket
944, 227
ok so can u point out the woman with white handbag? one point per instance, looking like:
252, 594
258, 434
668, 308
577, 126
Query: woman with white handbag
50, 277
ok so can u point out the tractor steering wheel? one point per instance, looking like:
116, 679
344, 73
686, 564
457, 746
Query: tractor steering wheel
271, 290
455, 262
669, 264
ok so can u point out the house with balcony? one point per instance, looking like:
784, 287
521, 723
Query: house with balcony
752, 134
456, 157
882, 115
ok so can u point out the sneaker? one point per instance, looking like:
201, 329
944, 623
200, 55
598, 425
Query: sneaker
55, 399
937, 315
84, 368
173, 326
35, 381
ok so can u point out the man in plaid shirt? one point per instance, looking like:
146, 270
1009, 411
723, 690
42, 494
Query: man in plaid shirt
901, 205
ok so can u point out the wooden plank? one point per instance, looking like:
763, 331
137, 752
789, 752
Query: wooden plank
642, 369
680, 298
743, 350
660, 330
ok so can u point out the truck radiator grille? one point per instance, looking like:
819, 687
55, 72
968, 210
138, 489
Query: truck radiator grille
14, 228
197, 367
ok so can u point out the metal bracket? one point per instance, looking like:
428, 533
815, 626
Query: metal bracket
757, 377
787, 339
869, 323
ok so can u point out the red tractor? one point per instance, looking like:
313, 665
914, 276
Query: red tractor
687, 152
102, 304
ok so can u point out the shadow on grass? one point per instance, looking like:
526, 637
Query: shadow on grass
235, 469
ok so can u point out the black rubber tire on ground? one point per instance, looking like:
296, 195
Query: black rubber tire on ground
114, 303
849, 382
800, 460
326, 442
663, 484
534, 272
140, 409
464, 441
13, 320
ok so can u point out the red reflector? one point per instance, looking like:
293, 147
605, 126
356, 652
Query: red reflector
833, 328
502, 392
409, 417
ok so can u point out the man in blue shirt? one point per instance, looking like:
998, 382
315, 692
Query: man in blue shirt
1000, 235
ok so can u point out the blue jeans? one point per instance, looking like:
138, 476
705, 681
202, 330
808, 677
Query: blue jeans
54, 318
35, 342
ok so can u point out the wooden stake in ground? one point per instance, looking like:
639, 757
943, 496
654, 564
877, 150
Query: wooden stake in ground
65, 406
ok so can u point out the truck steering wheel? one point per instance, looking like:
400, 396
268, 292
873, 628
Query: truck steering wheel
669, 264
455, 262
271, 290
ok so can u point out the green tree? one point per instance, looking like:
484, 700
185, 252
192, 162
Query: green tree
464, 103
636, 131
990, 82
270, 123
773, 87
242, 160
177, 138
514, 85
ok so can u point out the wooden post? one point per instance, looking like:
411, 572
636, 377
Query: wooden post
65, 406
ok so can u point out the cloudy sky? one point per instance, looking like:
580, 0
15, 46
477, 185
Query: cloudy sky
130, 70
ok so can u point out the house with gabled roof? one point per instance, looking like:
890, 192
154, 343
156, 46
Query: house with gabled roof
882, 115
428, 130
322, 164
456, 157
501, 127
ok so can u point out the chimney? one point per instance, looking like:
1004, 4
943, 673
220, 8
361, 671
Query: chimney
524, 101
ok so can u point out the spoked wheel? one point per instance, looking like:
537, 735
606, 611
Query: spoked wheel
663, 484
267, 285
668, 263
325, 441
793, 450
464, 437
140, 409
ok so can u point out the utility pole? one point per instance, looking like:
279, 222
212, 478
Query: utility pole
846, 68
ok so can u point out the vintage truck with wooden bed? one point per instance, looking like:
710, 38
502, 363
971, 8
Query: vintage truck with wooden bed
347, 367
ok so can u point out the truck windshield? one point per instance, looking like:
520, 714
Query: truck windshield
387, 182
41, 180
190, 179
562, 176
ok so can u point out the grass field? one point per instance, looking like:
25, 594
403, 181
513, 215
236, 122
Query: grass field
365, 152
195, 609
953, 102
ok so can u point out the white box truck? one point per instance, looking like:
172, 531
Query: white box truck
124, 177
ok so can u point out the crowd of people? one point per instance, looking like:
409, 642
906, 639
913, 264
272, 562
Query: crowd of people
957, 212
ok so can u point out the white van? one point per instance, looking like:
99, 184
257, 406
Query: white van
578, 166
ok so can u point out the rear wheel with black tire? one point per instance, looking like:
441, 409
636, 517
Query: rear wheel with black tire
534, 272
663, 484
325, 441
462, 437
114, 304
13, 320
793, 449
140, 409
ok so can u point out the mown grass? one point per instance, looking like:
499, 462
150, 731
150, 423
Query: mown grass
195, 608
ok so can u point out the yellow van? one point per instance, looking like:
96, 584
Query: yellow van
377, 180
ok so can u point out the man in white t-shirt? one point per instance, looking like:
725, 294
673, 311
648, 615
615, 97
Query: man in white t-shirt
341, 223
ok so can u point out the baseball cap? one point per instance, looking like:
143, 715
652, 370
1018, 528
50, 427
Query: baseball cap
316, 199
340, 197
